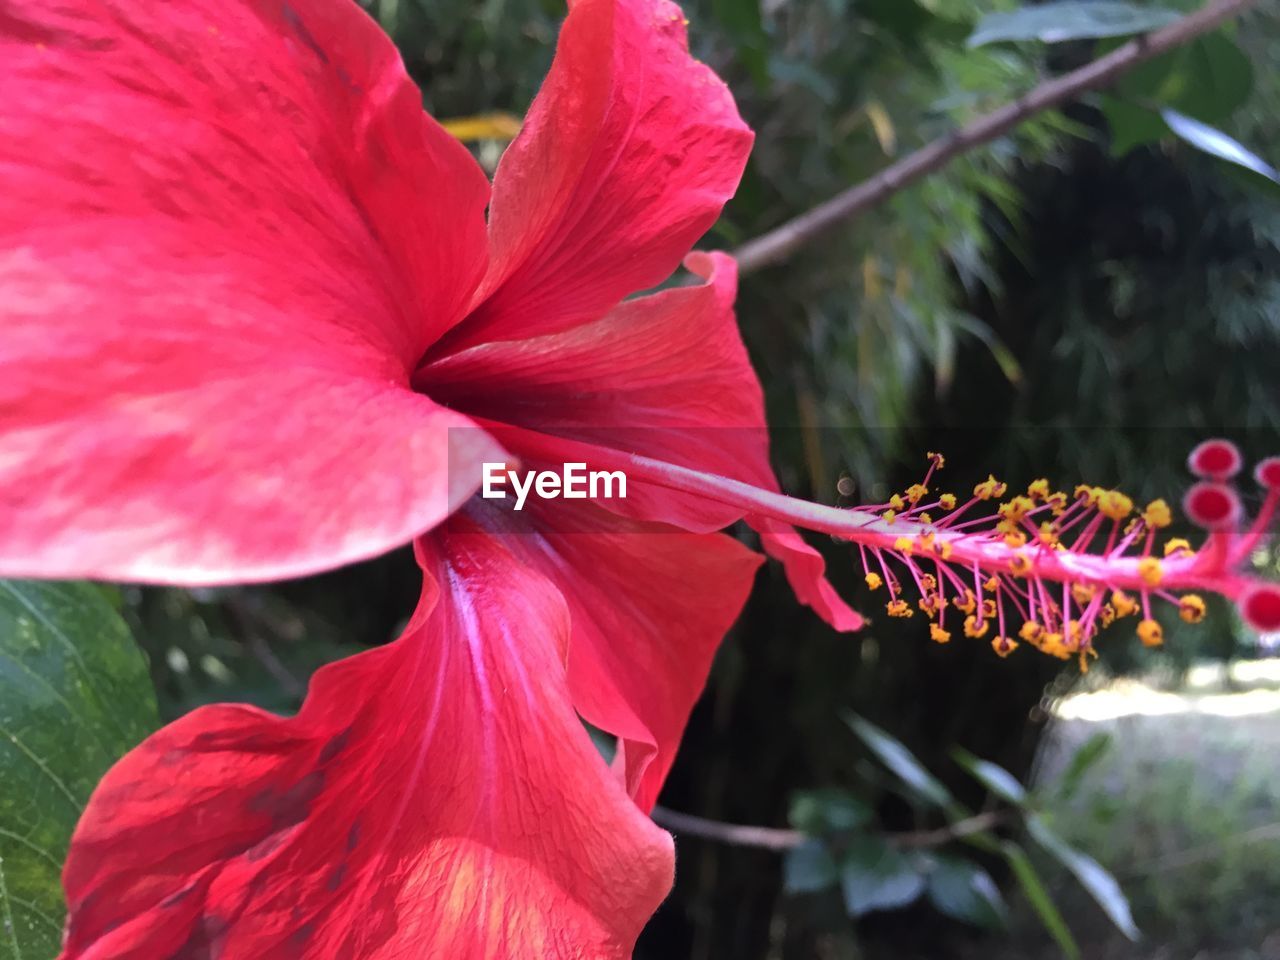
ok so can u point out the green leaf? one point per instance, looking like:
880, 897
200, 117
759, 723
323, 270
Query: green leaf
827, 811
1214, 142
1038, 897
1091, 875
965, 891
1082, 761
901, 761
1208, 79
992, 776
742, 21
1070, 20
876, 876
1131, 125
74, 696
809, 868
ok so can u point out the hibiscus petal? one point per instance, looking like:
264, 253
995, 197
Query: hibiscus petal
649, 605
434, 798
625, 158
218, 264
665, 376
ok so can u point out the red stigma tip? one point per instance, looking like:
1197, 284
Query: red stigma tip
1260, 608
1215, 460
1212, 506
1267, 473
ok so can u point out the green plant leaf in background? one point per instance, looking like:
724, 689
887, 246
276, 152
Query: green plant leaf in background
1097, 881
1209, 79
1214, 142
74, 697
1082, 761
1070, 20
876, 876
894, 755
965, 891
992, 776
809, 868
1038, 897
828, 811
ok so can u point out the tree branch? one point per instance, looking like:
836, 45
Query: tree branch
772, 838
782, 241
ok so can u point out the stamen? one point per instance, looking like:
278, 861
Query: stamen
993, 574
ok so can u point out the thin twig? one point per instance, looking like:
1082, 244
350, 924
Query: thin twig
774, 838
782, 241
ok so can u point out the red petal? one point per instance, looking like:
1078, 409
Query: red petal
216, 268
434, 798
665, 376
649, 605
806, 572
626, 157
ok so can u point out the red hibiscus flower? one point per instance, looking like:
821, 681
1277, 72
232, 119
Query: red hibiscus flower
257, 324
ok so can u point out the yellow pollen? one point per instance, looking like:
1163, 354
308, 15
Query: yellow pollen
1048, 534
1114, 504
990, 488
873, 581
1150, 570
1085, 654
988, 608
1157, 515
972, 628
1191, 608
943, 549
926, 518
938, 634
947, 501
1051, 643
1038, 489
1123, 604
992, 585
1016, 508
968, 604
939, 461
1058, 502
897, 504
1088, 494
929, 582
1176, 544
916, 492
903, 545
1015, 539
1082, 593
1150, 634
899, 608
1020, 565
890, 516
1031, 631
1004, 646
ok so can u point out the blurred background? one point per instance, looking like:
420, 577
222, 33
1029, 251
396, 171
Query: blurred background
1083, 299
